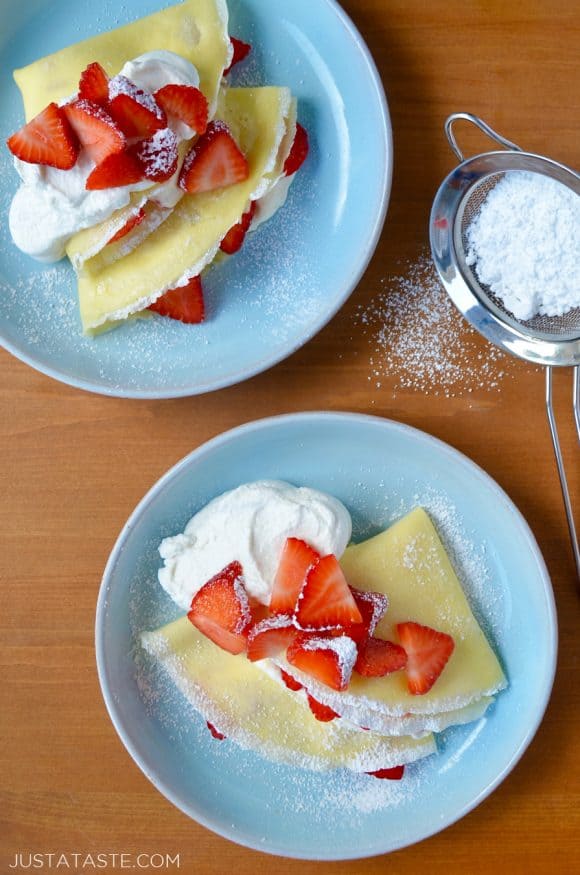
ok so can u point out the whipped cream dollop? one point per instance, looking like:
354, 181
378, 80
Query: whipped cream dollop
52, 205
250, 524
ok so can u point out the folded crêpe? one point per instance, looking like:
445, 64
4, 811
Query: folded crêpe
263, 122
259, 713
195, 29
408, 563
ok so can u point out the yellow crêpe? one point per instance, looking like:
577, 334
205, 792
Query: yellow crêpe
260, 713
188, 240
195, 29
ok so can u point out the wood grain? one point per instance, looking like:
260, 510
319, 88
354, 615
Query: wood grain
74, 466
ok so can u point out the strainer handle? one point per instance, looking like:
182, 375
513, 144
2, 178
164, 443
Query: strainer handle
479, 123
559, 457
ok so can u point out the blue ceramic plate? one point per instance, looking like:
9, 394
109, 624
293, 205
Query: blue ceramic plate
380, 470
290, 278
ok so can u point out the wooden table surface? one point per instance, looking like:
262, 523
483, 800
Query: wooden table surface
75, 464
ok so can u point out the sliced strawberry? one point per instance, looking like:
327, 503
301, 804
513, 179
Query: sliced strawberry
118, 169
377, 658
326, 599
329, 660
320, 711
235, 237
157, 155
259, 611
270, 637
47, 139
290, 682
241, 51
428, 652
372, 606
393, 774
186, 103
128, 226
134, 110
295, 562
221, 611
215, 732
96, 130
94, 85
215, 161
298, 152
185, 303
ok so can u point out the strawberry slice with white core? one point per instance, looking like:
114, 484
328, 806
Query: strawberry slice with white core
241, 51
133, 222
326, 600
94, 85
372, 606
185, 103
215, 161
270, 637
377, 658
134, 110
395, 773
329, 660
296, 560
220, 609
47, 139
320, 711
115, 171
184, 303
97, 132
158, 155
428, 652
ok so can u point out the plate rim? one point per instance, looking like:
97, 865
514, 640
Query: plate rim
312, 417
283, 352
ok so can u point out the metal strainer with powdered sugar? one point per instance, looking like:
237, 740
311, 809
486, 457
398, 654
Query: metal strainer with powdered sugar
553, 341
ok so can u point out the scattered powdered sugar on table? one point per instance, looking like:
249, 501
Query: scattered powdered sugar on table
422, 342
525, 245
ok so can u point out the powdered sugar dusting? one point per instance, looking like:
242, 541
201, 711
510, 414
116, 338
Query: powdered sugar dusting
159, 153
120, 85
344, 648
418, 339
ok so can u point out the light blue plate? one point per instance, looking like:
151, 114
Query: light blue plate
290, 278
380, 470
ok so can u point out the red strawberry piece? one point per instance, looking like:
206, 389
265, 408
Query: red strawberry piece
259, 611
326, 599
235, 237
186, 103
290, 682
377, 658
46, 139
118, 169
128, 226
157, 155
94, 85
241, 51
134, 110
215, 161
329, 660
270, 637
372, 606
298, 152
320, 711
428, 652
215, 732
295, 562
393, 774
221, 611
185, 303
96, 130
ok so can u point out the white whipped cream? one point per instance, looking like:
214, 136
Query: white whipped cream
52, 205
250, 524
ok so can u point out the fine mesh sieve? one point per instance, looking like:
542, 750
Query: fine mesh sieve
545, 340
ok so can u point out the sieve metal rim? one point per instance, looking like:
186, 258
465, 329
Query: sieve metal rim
444, 228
